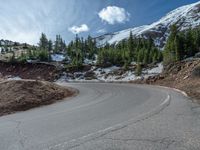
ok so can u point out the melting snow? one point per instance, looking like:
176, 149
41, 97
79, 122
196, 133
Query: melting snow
57, 57
14, 78
109, 74
156, 70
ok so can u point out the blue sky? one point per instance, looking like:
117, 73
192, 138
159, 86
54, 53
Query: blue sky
24, 20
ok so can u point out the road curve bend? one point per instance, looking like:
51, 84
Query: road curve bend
100, 109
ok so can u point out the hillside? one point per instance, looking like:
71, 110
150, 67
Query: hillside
83, 59
183, 75
8, 49
184, 17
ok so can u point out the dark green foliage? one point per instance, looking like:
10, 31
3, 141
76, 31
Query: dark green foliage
142, 51
50, 49
43, 55
45, 46
181, 45
81, 49
138, 50
131, 46
59, 45
43, 43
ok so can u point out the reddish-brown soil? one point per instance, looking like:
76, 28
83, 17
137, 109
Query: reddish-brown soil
180, 75
39, 71
22, 95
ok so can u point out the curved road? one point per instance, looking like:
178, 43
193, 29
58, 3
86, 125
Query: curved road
104, 116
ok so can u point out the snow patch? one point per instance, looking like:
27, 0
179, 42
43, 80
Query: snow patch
57, 57
185, 17
111, 74
156, 70
14, 78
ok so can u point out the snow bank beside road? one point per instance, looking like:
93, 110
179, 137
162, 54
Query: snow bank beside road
110, 74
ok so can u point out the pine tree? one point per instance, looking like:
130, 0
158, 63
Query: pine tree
145, 59
50, 48
59, 44
177, 48
43, 43
189, 43
131, 44
169, 50
140, 56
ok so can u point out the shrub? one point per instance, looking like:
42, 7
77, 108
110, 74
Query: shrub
43, 55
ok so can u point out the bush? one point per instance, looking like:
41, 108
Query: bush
43, 55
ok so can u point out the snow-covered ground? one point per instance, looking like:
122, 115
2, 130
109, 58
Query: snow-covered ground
57, 57
14, 78
89, 62
111, 74
155, 70
185, 17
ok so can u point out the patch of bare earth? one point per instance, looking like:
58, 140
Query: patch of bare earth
184, 75
35, 71
22, 95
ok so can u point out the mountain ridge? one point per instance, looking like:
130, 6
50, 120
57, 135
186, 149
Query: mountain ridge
184, 17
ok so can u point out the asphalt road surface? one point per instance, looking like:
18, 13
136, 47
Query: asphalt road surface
107, 116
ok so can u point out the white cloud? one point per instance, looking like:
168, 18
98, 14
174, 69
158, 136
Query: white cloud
114, 14
79, 29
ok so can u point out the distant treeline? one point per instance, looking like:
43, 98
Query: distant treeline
180, 45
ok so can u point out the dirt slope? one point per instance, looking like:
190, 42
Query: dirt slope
40, 71
184, 75
23, 94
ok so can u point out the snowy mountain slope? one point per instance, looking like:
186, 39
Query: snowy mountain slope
184, 17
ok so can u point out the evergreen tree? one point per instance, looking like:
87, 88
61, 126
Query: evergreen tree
50, 45
145, 59
177, 48
59, 44
50, 48
140, 56
181, 45
43, 43
131, 44
190, 48
169, 51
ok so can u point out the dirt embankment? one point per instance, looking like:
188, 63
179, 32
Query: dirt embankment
39, 71
184, 75
22, 95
